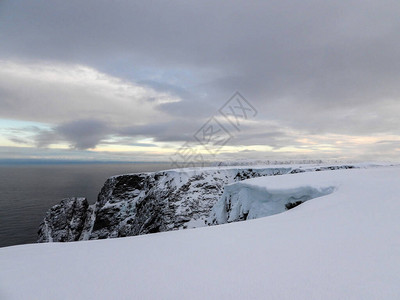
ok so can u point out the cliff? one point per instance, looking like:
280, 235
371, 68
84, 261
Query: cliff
143, 203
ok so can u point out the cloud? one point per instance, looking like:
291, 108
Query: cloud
18, 140
84, 134
316, 58
44, 138
56, 93
161, 69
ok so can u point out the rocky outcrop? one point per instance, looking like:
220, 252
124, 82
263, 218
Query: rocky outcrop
142, 203
64, 222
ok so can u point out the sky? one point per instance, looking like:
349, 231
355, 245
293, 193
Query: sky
179, 80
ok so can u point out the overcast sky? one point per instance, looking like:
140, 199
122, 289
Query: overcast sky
134, 80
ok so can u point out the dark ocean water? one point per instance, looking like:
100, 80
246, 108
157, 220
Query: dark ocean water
28, 191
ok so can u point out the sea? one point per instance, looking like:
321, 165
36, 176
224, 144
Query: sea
27, 191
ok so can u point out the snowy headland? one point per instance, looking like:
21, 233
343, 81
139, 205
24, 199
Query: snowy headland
142, 203
343, 244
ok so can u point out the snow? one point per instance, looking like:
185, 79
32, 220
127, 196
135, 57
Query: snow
345, 245
248, 201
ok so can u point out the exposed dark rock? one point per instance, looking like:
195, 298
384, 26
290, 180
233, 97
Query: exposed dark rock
65, 221
291, 205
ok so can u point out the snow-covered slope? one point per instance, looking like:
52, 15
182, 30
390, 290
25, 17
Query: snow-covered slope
345, 245
142, 203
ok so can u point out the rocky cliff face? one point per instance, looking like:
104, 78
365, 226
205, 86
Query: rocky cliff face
142, 203
64, 222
